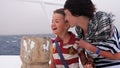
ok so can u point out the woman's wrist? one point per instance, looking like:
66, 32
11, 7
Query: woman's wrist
98, 51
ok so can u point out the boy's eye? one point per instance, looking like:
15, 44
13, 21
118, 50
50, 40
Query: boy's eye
57, 21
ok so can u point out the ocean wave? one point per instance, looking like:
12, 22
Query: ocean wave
10, 44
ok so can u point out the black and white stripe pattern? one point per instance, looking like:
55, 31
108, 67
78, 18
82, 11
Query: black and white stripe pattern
112, 44
104, 35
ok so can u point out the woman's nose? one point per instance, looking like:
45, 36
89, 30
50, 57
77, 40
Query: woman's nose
65, 18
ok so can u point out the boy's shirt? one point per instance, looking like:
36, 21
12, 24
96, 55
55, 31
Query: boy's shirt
69, 50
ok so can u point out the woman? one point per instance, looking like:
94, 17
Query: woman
95, 31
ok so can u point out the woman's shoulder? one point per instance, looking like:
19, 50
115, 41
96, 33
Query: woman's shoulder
102, 16
102, 28
103, 19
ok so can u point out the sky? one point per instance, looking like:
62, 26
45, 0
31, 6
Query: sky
34, 16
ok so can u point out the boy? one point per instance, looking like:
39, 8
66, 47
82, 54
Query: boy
66, 41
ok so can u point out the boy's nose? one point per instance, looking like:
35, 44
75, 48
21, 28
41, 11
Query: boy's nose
52, 24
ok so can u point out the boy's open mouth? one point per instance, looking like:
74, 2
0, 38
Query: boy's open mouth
54, 28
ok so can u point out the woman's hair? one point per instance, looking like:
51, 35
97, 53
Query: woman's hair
60, 11
80, 7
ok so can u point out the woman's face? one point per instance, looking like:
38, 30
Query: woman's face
58, 25
76, 20
70, 18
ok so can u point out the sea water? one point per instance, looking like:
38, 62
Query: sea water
10, 44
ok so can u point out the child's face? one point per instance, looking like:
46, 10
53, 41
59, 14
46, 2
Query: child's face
58, 25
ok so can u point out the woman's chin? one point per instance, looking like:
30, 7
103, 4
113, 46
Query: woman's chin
72, 26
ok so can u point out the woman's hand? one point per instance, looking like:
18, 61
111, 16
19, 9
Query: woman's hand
86, 45
82, 44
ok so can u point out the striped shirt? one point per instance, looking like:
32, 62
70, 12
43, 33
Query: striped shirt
112, 45
104, 35
70, 52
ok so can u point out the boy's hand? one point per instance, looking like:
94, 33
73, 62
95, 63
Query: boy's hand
88, 66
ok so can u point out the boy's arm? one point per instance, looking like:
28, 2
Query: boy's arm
83, 57
86, 60
52, 65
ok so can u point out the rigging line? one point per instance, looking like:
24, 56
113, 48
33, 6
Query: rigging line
44, 9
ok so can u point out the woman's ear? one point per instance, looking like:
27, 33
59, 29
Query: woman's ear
67, 26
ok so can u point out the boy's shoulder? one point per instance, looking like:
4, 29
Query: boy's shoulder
72, 40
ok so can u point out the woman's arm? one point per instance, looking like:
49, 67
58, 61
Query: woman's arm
94, 49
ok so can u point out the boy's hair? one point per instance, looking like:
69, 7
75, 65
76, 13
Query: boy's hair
60, 11
80, 7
